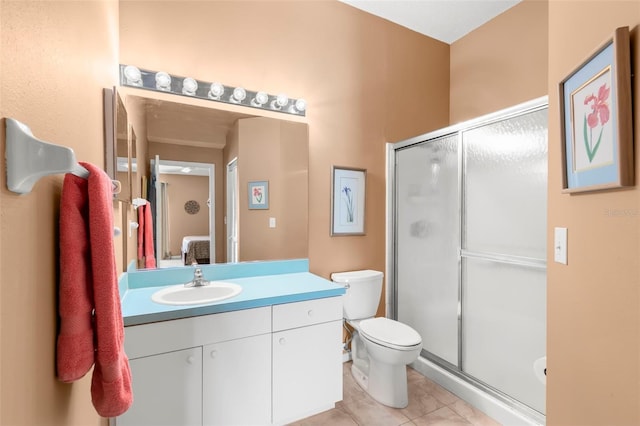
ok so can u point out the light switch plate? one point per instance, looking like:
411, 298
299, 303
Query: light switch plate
272, 222
560, 245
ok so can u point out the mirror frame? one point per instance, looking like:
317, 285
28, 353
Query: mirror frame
110, 141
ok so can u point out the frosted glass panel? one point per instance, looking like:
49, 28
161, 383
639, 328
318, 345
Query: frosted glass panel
506, 186
504, 327
427, 243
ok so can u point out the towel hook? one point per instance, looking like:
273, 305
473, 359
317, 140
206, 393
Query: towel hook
137, 202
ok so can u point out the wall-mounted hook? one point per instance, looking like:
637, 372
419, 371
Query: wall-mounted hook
137, 202
132, 226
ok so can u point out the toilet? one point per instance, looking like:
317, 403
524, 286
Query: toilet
381, 347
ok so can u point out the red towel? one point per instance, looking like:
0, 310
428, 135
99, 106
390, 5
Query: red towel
149, 257
145, 236
88, 274
75, 338
141, 232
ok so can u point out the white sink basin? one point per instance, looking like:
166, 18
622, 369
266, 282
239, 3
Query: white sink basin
181, 295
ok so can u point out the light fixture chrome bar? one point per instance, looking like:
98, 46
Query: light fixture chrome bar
161, 81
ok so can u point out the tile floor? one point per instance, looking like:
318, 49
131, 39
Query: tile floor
429, 404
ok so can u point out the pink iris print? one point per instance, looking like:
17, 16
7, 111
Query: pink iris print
599, 116
257, 194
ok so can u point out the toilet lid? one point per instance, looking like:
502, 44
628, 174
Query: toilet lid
388, 331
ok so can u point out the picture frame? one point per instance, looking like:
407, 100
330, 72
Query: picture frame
596, 119
348, 201
258, 193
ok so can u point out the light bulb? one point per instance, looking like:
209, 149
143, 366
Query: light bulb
301, 105
260, 99
216, 90
280, 101
163, 81
132, 75
238, 95
189, 86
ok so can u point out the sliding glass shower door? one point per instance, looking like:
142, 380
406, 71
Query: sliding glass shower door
504, 255
470, 250
427, 228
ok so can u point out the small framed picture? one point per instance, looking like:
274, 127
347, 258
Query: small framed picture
347, 201
596, 119
259, 195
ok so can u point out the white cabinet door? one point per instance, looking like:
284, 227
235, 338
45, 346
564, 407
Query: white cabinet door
237, 382
307, 371
167, 390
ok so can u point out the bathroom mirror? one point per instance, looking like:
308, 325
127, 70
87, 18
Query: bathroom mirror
196, 164
119, 143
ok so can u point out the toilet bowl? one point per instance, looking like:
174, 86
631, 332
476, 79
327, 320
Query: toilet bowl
381, 348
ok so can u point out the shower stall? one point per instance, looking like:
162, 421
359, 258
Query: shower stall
467, 255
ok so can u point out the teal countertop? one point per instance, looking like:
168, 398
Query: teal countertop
263, 284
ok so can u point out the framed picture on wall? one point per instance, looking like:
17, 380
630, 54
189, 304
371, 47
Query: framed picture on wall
259, 195
347, 201
596, 119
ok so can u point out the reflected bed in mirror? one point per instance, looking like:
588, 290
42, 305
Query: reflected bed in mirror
196, 162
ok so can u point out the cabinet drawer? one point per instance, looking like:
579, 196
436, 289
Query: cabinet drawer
309, 312
159, 337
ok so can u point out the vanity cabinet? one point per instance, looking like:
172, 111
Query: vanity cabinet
201, 370
167, 389
307, 358
260, 366
237, 382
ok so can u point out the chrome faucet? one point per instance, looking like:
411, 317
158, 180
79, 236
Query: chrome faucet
198, 278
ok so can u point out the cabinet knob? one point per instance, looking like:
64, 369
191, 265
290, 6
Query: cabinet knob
282, 341
190, 359
310, 312
214, 353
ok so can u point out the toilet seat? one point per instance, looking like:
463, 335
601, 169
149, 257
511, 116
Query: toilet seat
390, 333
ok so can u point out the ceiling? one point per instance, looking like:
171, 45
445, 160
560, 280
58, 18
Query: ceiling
444, 20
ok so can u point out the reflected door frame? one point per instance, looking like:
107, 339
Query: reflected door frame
231, 219
211, 171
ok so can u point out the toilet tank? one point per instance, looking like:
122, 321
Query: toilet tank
363, 292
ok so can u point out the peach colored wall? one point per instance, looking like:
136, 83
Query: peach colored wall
500, 64
181, 190
354, 69
56, 58
277, 152
593, 303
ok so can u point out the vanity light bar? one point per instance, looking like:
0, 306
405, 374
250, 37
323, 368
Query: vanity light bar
161, 81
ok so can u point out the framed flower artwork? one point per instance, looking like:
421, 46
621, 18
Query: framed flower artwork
347, 201
596, 119
259, 195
